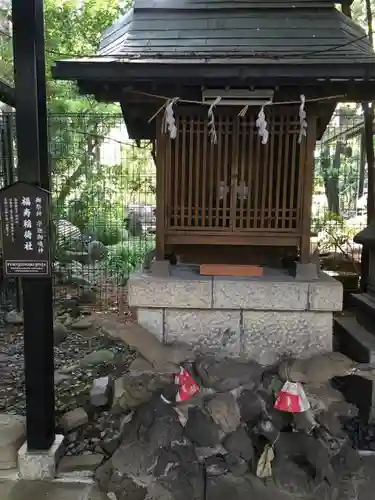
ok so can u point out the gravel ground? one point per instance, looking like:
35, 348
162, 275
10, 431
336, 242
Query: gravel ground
73, 377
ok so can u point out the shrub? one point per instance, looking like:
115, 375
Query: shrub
124, 257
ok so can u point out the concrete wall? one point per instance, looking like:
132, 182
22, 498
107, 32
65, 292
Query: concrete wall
262, 319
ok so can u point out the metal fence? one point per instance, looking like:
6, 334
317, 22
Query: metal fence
104, 195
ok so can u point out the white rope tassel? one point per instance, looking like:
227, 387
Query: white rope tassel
211, 121
261, 124
302, 119
169, 122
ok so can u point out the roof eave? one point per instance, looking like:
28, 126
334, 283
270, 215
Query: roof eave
136, 71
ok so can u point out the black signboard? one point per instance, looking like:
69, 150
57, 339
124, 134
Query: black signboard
25, 231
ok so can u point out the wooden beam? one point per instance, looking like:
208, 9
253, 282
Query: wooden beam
307, 183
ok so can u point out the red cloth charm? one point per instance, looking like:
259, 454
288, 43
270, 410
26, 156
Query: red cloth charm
292, 398
188, 387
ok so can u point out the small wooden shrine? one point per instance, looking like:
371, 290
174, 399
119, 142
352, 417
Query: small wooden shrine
233, 95
217, 199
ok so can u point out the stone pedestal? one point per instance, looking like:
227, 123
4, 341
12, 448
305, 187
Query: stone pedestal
262, 318
40, 464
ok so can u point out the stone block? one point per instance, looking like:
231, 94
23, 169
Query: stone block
38, 465
259, 295
149, 291
326, 295
161, 268
100, 391
12, 436
269, 335
215, 331
152, 320
73, 419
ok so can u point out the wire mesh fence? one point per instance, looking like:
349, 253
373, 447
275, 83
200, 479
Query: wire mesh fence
103, 192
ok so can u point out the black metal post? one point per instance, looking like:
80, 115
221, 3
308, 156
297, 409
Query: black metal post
31, 124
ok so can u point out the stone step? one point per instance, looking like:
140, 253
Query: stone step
353, 340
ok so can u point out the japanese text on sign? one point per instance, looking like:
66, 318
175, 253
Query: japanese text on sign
25, 230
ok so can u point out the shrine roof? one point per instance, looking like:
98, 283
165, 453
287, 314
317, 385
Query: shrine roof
221, 40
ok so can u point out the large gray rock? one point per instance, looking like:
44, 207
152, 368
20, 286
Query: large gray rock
227, 374
224, 411
73, 419
12, 437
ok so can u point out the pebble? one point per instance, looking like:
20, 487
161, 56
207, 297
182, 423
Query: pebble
83, 323
14, 317
60, 333
97, 358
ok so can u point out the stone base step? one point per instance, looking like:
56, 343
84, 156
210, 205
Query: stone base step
356, 342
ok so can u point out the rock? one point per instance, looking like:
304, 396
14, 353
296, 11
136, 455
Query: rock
155, 426
118, 391
206, 452
239, 444
109, 446
60, 332
69, 368
318, 369
216, 466
229, 486
224, 411
80, 281
201, 429
250, 405
73, 419
295, 482
96, 250
83, 323
184, 479
12, 437
137, 389
97, 358
87, 295
141, 365
165, 359
61, 377
100, 391
228, 374
14, 317
74, 268
80, 463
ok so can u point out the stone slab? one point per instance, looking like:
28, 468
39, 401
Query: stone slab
41, 464
326, 294
12, 436
269, 335
152, 320
215, 331
148, 291
260, 295
48, 490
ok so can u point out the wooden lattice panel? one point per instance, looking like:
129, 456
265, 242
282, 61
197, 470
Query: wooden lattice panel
238, 184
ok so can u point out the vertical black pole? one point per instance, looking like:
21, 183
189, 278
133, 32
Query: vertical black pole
31, 123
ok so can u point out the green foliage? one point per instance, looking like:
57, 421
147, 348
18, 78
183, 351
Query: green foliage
127, 256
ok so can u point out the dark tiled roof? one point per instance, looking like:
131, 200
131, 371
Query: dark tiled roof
305, 31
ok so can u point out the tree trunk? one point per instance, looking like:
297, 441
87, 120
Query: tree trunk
362, 164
